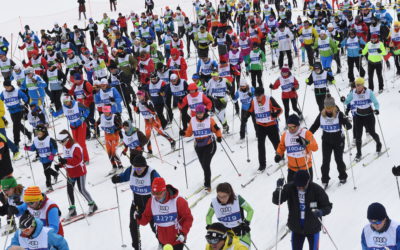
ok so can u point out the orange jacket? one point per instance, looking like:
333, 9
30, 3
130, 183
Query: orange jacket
217, 132
296, 164
273, 106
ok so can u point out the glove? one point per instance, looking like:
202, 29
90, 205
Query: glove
379, 51
182, 132
349, 126
245, 227
57, 167
219, 139
51, 157
115, 179
180, 238
287, 36
62, 161
271, 86
376, 112
23, 62
396, 171
333, 82
137, 215
360, 51
277, 158
280, 182
342, 99
124, 151
26, 148
293, 89
112, 99
274, 114
141, 66
12, 210
302, 141
347, 112
317, 212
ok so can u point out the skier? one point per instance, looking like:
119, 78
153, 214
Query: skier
299, 143
307, 203
327, 48
202, 40
133, 139
40, 206
76, 114
381, 232
111, 125
229, 209
289, 86
285, 36
320, 78
33, 232
156, 90
202, 127
217, 89
245, 94
221, 238
56, 81
194, 98
35, 86
308, 35
362, 99
178, 90
72, 161
10, 198
254, 64
331, 120
177, 64
173, 229
47, 149
376, 51
266, 111
140, 177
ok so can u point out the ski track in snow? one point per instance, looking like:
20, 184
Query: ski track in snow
348, 216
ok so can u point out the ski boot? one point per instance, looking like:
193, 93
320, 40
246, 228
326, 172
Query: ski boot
260, 170
92, 207
16, 156
325, 185
173, 144
358, 157
225, 127
207, 190
55, 178
378, 147
71, 212
342, 181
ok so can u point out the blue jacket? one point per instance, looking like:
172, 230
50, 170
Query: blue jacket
353, 52
246, 103
52, 216
55, 241
17, 107
84, 112
53, 150
128, 43
214, 65
384, 17
349, 98
116, 105
35, 93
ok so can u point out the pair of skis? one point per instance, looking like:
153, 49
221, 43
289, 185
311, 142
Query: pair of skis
278, 167
81, 216
199, 190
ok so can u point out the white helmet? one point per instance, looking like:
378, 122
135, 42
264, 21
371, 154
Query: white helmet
65, 98
28, 70
17, 67
104, 81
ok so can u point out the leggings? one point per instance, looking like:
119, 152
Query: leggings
81, 187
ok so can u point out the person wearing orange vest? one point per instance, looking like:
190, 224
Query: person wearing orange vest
298, 144
202, 127
266, 110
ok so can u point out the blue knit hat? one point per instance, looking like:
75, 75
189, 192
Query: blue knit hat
293, 119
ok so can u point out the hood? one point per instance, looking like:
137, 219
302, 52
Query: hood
172, 193
38, 229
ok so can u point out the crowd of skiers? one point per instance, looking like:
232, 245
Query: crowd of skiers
122, 75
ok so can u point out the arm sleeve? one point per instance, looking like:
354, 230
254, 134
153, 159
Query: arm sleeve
125, 176
246, 207
363, 242
185, 217
284, 195
316, 124
313, 146
210, 214
323, 200
374, 100
57, 241
15, 239
146, 215
53, 219
349, 98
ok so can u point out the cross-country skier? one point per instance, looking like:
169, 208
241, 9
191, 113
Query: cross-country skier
307, 203
10, 197
245, 94
376, 51
133, 139
320, 78
220, 237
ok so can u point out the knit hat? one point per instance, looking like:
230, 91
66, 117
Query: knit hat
7, 83
27, 220
293, 119
200, 108
301, 178
329, 101
106, 109
285, 70
243, 82
173, 77
138, 161
158, 185
33, 194
259, 91
8, 183
376, 211
374, 36
359, 81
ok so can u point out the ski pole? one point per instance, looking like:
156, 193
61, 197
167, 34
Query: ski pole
304, 100
247, 145
239, 174
352, 172
9, 224
183, 153
252, 242
383, 138
277, 221
119, 217
29, 159
155, 156
326, 230
158, 148
228, 145
398, 187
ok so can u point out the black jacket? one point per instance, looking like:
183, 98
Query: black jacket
5, 160
314, 193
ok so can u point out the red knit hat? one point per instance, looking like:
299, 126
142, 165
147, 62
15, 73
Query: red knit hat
158, 185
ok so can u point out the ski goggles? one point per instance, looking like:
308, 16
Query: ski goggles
376, 222
213, 237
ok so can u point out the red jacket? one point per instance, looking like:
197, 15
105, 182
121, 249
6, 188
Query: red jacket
181, 71
361, 30
168, 235
87, 93
122, 22
38, 71
290, 94
206, 101
79, 167
25, 45
145, 67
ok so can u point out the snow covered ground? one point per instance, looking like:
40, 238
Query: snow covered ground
374, 183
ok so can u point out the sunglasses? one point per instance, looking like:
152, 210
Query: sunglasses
212, 240
31, 203
376, 222
157, 193
292, 127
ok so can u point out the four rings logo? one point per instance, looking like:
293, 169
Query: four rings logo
139, 182
380, 240
225, 210
164, 208
33, 243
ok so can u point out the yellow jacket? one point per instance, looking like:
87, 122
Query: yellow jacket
308, 36
2, 113
231, 243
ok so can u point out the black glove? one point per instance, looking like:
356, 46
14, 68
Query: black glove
280, 182
219, 139
62, 161
379, 51
12, 210
360, 51
115, 179
57, 167
349, 126
302, 141
112, 99
23, 61
182, 132
376, 112
396, 171
342, 99
245, 227
317, 212
271, 86
347, 112
287, 36
293, 89
277, 158
141, 66
274, 114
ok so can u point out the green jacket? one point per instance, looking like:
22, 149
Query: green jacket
324, 51
254, 61
374, 55
243, 206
